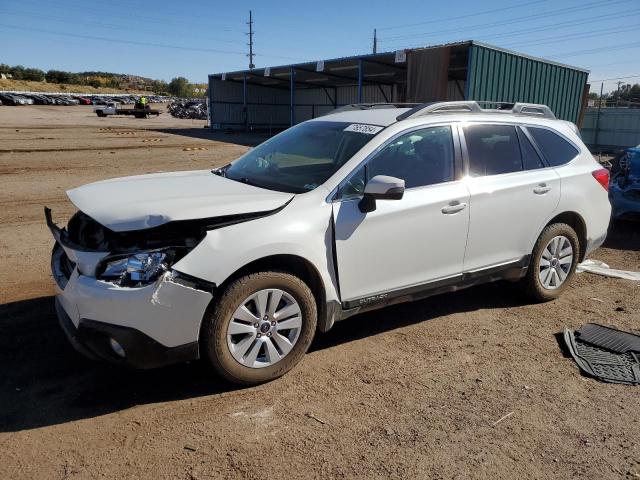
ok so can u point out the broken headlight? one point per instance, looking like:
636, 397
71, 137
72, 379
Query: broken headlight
137, 269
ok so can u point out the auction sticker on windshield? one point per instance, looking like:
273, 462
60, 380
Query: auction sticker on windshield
361, 128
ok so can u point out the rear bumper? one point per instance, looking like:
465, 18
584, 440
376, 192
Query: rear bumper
594, 244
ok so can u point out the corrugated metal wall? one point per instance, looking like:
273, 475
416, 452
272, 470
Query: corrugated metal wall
617, 128
500, 76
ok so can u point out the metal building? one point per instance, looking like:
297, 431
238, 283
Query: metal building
277, 97
610, 129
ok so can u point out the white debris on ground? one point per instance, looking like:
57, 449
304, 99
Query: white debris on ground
600, 268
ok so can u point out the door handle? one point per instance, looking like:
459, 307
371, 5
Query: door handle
454, 207
541, 189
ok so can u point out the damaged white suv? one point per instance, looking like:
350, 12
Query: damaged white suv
355, 210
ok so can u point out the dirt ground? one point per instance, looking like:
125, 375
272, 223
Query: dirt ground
411, 391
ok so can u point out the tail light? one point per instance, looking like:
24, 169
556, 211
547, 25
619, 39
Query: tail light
602, 177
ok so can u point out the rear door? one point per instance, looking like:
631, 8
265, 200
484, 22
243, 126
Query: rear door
513, 192
409, 242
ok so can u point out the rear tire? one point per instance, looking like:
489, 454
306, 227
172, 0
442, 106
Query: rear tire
263, 348
553, 263
100, 113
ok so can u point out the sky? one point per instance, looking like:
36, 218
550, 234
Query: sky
164, 39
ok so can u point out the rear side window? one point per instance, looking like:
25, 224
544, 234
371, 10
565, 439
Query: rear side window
555, 149
530, 158
493, 149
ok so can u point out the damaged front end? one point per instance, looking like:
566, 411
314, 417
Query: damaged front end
118, 298
137, 257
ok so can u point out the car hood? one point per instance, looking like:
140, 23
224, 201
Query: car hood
146, 201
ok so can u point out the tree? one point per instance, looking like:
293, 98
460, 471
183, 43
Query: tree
58, 76
180, 87
34, 74
159, 87
18, 72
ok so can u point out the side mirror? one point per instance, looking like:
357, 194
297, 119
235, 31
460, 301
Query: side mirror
381, 187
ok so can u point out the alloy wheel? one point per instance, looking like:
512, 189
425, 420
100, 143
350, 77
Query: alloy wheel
264, 328
555, 262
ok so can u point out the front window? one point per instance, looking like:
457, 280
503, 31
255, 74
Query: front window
302, 157
420, 158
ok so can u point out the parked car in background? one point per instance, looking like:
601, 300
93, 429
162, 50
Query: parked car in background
7, 99
40, 99
341, 214
14, 99
22, 100
70, 99
624, 190
98, 100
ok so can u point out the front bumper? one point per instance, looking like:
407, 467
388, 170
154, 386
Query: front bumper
155, 325
92, 339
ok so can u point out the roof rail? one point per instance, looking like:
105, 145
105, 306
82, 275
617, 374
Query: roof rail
532, 109
371, 106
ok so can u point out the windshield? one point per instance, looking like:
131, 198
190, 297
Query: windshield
302, 157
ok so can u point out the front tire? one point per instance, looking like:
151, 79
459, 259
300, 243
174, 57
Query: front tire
553, 263
260, 327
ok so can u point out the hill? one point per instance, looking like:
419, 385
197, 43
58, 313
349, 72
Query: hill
32, 86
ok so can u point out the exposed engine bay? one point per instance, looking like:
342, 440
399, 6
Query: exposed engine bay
133, 258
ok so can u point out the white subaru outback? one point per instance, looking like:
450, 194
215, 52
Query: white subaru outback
372, 205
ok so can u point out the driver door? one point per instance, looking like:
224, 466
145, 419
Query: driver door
409, 242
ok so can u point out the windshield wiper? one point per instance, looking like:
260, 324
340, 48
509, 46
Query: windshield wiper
247, 181
221, 172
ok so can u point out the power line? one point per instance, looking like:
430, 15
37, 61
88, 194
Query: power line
128, 42
513, 20
133, 42
458, 17
148, 17
621, 46
547, 40
570, 36
553, 26
626, 62
118, 27
615, 78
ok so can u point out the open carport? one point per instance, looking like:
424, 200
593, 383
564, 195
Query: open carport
273, 98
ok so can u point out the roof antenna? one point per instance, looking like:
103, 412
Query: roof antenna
375, 41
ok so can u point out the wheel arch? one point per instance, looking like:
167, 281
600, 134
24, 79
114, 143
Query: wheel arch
575, 221
289, 263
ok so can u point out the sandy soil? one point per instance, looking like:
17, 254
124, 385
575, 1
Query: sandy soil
411, 391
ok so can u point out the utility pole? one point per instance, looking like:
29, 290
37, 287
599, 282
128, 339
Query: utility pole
595, 140
251, 55
375, 41
618, 96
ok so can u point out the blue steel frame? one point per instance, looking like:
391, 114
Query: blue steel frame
245, 109
293, 96
360, 75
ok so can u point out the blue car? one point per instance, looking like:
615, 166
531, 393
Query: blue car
624, 188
